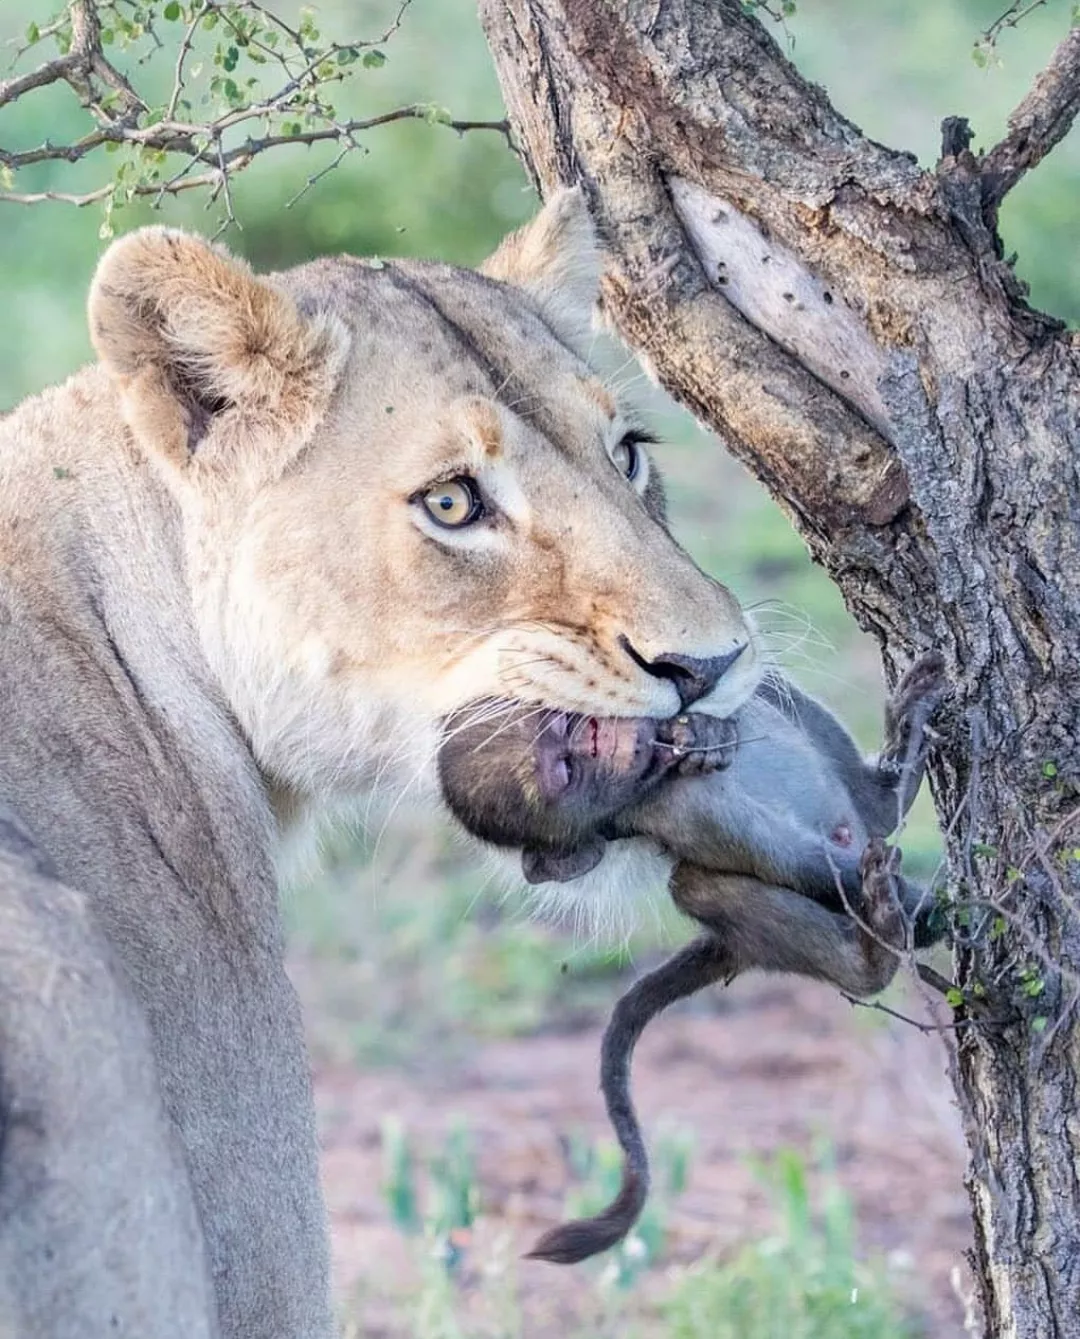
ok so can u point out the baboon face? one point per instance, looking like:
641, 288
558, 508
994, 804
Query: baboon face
551, 782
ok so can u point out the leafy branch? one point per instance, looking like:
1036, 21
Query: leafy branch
243, 81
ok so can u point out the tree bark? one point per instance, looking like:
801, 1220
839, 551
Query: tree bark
845, 321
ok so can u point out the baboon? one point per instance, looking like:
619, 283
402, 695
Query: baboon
775, 820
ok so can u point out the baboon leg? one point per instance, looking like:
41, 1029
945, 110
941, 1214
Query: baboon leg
751, 925
697, 965
98, 1229
775, 929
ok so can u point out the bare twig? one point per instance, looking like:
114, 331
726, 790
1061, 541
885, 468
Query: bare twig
49, 73
1011, 18
925, 1028
1042, 118
181, 138
206, 180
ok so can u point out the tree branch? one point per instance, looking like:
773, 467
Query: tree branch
744, 216
85, 45
50, 73
1041, 119
759, 245
294, 111
182, 138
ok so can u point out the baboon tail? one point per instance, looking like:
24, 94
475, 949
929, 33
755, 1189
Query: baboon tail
698, 964
571, 1242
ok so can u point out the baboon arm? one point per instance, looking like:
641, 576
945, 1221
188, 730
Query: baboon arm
907, 714
778, 930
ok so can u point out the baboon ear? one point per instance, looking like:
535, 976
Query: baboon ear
556, 259
560, 866
218, 371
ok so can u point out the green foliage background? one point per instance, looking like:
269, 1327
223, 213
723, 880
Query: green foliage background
896, 67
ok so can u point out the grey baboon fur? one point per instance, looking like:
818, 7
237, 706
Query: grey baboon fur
778, 838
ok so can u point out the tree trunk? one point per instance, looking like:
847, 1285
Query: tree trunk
845, 321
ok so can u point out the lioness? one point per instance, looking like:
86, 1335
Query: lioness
248, 562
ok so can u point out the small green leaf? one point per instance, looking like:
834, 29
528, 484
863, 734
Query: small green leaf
373, 59
171, 11
1039, 1022
981, 849
33, 33
954, 998
1049, 769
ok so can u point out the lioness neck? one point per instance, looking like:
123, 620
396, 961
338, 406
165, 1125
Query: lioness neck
104, 680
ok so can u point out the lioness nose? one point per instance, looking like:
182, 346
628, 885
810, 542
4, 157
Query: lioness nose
694, 677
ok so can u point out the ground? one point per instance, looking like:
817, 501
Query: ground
763, 1065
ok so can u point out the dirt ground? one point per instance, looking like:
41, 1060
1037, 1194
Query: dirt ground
768, 1063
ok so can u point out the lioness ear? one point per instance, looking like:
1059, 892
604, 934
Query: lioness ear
556, 259
219, 372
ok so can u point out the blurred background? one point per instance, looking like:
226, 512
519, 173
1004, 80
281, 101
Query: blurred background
809, 1162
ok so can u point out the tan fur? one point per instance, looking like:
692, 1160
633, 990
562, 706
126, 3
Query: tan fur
217, 584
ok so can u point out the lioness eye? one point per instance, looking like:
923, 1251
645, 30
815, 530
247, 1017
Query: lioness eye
454, 503
627, 454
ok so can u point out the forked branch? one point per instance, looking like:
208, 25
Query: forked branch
1041, 119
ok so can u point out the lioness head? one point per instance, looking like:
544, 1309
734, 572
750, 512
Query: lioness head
403, 489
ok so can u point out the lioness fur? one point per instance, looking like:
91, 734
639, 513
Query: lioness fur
222, 598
